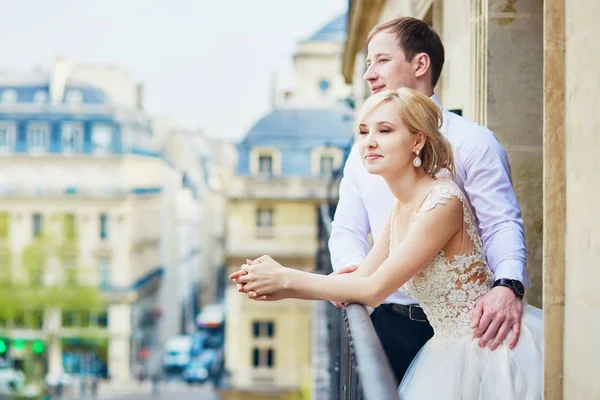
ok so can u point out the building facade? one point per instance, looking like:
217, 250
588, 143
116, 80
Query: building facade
83, 177
284, 166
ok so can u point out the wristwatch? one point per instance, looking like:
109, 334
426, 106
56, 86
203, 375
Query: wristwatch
516, 286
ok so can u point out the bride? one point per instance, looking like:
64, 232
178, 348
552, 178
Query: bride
429, 249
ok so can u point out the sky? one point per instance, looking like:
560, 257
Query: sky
204, 64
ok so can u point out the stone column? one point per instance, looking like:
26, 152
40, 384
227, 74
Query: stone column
507, 97
554, 197
582, 160
52, 323
119, 349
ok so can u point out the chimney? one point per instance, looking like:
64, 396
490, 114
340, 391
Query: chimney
58, 79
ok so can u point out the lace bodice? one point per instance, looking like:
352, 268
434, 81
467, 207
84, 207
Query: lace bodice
448, 287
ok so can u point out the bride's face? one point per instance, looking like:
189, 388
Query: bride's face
385, 144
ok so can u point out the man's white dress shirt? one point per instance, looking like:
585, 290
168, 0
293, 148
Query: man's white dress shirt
482, 172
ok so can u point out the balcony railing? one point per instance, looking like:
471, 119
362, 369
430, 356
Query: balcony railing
357, 365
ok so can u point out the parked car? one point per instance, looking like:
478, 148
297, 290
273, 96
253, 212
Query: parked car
197, 371
177, 353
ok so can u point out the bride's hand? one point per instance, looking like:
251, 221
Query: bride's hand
264, 276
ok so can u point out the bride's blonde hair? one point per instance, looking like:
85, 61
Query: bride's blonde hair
419, 114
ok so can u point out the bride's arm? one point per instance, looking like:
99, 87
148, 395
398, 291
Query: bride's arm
378, 253
428, 235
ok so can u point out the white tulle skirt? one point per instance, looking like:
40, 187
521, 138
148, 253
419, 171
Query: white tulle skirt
463, 371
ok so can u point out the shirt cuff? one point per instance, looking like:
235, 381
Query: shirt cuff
511, 269
347, 264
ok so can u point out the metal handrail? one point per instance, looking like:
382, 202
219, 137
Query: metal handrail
361, 358
371, 360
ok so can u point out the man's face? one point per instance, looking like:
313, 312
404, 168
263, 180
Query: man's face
387, 67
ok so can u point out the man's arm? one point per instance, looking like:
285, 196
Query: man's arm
489, 188
348, 242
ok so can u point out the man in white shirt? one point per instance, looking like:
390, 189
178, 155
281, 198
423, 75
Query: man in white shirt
406, 52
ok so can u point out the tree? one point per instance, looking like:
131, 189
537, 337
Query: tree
45, 276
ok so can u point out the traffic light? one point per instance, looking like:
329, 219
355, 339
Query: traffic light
38, 347
3, 346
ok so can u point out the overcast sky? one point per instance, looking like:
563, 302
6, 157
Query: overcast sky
206, 64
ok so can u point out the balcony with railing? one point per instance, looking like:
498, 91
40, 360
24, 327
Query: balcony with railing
349, 360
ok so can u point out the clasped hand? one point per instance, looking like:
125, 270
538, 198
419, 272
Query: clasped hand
261, 279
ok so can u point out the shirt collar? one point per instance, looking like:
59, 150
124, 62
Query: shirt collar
436, 100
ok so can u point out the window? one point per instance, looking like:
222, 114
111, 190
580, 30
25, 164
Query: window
70, 272
265, 165
324, 85
74, 97
69, 229
99, 319
104, 272
72, 319
38, 136
72, 138
7, 137
326, 165
263, 329
264, 217
102, 138
263, 357
9, 96
264, 222
40, 97
37, 225
103, 226
4, 225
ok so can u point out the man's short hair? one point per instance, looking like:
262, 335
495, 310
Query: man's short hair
415, 36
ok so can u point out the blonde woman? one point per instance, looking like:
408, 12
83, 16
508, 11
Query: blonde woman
429, 249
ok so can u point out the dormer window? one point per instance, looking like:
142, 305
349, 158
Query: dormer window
9, 96
325, 160
265, 161
40, 97
324, 85
326, 165
265, 165
74, 97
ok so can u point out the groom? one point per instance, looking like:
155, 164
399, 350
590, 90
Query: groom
406, 52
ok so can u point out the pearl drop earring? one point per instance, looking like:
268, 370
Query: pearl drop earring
417, 160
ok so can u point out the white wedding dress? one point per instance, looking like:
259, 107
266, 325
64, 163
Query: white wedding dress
451, 365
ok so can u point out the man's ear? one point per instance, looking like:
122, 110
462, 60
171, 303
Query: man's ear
421, 64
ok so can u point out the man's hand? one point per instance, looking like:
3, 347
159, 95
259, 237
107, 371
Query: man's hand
497, 313
344, 270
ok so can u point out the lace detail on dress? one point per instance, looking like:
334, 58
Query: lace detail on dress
449, 287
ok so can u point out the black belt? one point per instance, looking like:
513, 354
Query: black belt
412, 311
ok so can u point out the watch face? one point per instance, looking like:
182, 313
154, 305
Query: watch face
518, 288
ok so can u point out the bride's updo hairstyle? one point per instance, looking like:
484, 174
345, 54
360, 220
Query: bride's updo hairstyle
419, 114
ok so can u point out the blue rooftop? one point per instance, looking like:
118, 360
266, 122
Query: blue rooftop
333, 31
301, 125
296, 132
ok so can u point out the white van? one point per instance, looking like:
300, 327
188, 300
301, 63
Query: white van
177, 352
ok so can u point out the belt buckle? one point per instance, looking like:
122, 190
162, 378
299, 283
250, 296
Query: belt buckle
410, 308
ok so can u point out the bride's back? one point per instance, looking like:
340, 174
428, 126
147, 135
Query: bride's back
449, 286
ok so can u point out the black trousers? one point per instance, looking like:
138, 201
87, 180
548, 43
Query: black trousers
401, 337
